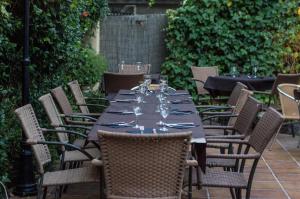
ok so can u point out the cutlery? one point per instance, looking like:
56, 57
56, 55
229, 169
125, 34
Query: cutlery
124, 100
125, 112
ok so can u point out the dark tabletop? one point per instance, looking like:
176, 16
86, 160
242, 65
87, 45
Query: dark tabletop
223, 85
150, 118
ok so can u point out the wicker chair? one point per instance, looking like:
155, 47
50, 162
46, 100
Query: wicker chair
69, 115
265, 129
243, 96
134, 68
289, 105
3, 192
240, 130
200, 75
281, 78
81, 100
144, 166
113, 82
35, 138
231, 102
57, 123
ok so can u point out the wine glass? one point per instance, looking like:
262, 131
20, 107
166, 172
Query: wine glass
254, 72
164, 79
137, 112
233, 71
122, 65
164, 112
139, 66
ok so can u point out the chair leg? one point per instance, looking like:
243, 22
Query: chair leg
198, 178
274, 138
293, 129
238, 193
45, 192
102, 184
248, 191
190, 183
232, 193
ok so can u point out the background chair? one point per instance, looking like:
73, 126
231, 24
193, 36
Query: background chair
265, 129
280, 79
35, 138
289, 105
81, 100
57, 123
66, 108
113, 82
134, 68
200, 75
144, 166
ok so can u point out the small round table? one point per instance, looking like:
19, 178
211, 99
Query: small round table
223, 85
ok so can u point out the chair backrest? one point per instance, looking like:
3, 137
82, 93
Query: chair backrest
265, 129
234, 96
202, 73
33, 131
144, 166
61, 98
77, 93
247, 115
289, 106
285, 78
53, 116
113, 82
134, 68
239, 105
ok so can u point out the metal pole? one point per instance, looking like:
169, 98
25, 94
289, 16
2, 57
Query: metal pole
26, 184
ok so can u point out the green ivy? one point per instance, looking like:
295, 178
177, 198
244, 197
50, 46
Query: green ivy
228, 33
58, 55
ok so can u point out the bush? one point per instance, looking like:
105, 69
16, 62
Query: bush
58, 29
228, 33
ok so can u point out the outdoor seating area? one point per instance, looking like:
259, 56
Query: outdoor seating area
156, 100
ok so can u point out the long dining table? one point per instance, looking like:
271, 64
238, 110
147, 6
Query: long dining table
182, 110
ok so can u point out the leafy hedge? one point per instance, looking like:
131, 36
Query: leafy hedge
58, 31
229, 33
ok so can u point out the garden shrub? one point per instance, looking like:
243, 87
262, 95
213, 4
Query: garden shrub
58, 55
229, 33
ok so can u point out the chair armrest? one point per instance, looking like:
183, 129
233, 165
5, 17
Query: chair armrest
193, 163
215, 113
213, 137
262, 92
218, 116
218, 127
235, 156
79, 115
72, 126
63, 131
97, 162
33, 142
230, 141
95, 105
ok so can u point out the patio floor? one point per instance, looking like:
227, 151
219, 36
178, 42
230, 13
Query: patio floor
277, 176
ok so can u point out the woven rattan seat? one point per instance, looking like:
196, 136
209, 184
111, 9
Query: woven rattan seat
224, 179
82, 143
73, 156
71, 176
218, 162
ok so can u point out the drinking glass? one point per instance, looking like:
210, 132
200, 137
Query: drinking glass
122, 65
164, 112
254, 72
164, 79
139, 66
137, 112
233, 71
